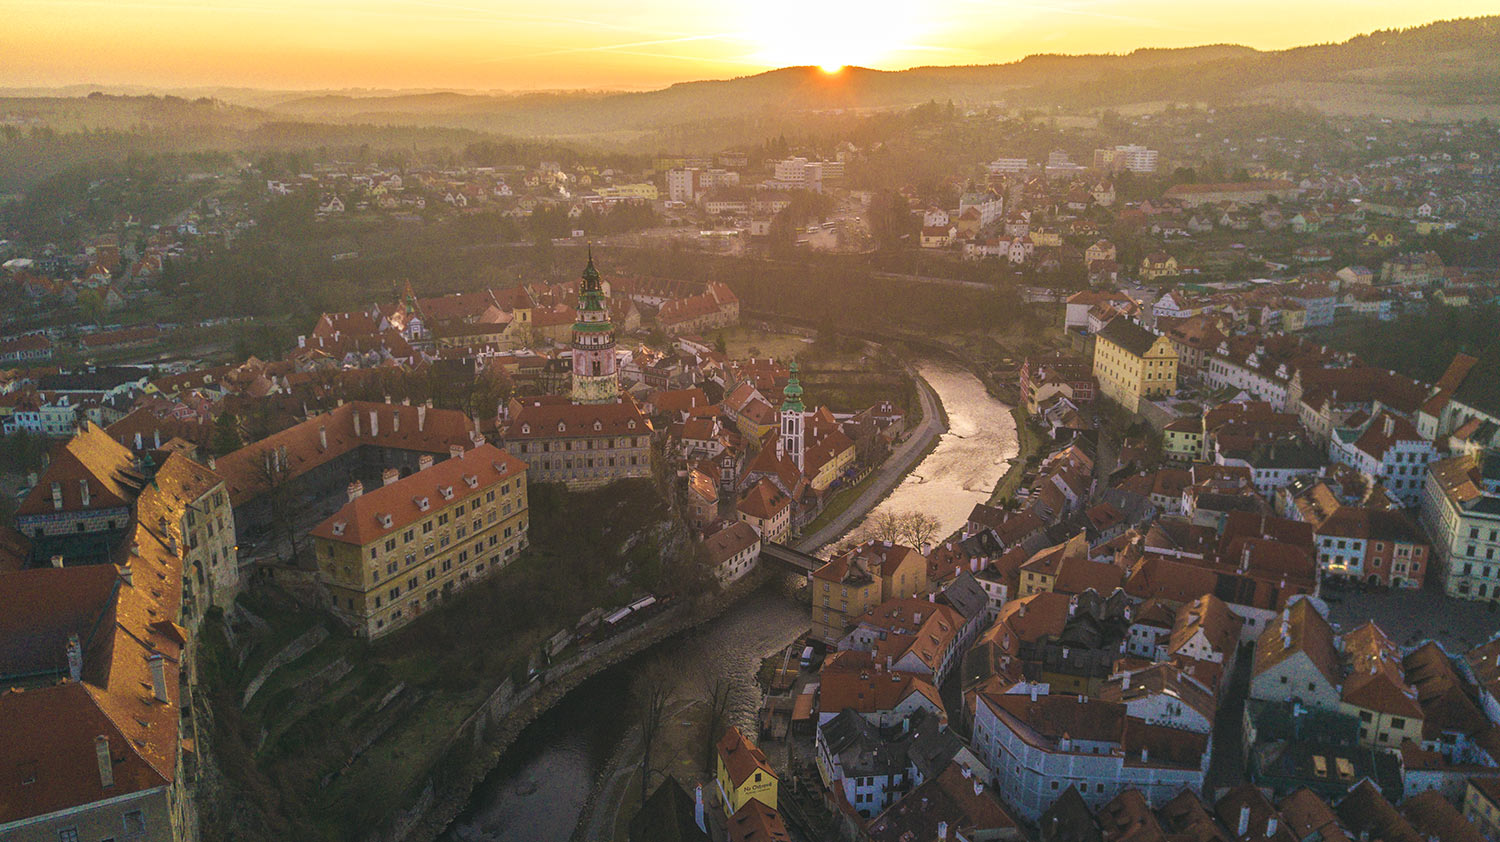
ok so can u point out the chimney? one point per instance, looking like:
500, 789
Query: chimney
1033, 692
1145, 754
106, 765
127, 575
138, 440
356, 490
942, 830
395, 422
75, 658
357, 433
322, 437
57, 502
421, 417
1244, 821
978, 787
83, 491
57, 561
455, 451
1271, 825
424, 461
158, 677
374, 423
156, 437
698, 808
302, 341
389, 475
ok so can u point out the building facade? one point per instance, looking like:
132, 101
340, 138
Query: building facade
1132, 364
394, 553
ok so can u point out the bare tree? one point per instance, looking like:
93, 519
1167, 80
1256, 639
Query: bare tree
919, 529
718, 692
653, 693
887, 526
275, 472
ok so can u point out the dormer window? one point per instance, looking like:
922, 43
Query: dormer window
446, 491
338, 528
562, 426
632, 425
386, 521
525, 429
423, 503
471, 481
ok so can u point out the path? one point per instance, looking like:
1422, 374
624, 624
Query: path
888, 475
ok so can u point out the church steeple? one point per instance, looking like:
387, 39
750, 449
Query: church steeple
792, 419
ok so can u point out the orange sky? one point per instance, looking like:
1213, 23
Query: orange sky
503, 44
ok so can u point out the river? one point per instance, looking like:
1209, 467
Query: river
539, 789
969, 459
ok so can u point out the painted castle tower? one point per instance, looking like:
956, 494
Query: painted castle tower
793, 417
595, 379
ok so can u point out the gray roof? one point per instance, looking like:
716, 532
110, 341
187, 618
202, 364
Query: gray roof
1128, 335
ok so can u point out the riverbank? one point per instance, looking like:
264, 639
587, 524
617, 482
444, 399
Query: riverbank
1028, 447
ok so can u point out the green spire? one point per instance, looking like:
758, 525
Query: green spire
792, 393
591, 293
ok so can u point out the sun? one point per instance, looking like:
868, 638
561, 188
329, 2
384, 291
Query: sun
832, 34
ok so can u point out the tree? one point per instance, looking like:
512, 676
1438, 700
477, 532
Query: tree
918, 529
718, 691
226, 435
653, 693
887, 526
277, 474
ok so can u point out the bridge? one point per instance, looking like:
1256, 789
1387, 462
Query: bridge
793, 561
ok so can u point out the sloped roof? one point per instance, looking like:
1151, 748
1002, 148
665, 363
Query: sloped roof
363, 519
741, 757
91, 457
1300, 629
1129, 336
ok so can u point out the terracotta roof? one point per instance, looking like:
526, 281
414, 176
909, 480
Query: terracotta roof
913, 626
741, 757
755, 822
959, 800
1431, 814
1161, 679
91, 457
1300, 629
1375, 682
763, 500
391, 508
1308, 816
1211, 616
398, 426
727, 542
858, 681
570, 420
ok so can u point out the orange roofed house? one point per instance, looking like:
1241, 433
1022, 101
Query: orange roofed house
393, 553
743, 773
850, 584
96, 660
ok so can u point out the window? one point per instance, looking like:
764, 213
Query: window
135, 822
68, 834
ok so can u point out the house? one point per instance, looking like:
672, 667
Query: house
768, 510
909, 634
392, 554
757, 822
1461, 514
848, 585
1296, 660
1132, 364
1158, 264
733, 551
1039, 744
858, 681
1376, 692
938, 236
742, 772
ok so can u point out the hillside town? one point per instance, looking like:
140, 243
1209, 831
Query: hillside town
442, 495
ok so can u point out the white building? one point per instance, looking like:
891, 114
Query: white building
1038, 745
1387, 448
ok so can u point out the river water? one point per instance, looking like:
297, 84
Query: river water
969, 459
539, 789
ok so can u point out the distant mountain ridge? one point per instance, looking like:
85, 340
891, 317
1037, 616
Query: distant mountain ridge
1448, 68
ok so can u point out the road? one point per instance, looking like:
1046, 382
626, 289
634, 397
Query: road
888, 475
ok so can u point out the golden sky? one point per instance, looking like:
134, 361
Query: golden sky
510, 45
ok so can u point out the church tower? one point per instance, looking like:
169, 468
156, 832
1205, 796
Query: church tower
793, 417
594, 376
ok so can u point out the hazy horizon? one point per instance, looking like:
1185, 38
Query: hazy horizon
498, 47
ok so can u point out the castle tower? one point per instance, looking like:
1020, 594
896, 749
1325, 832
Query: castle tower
793, 417
594, 377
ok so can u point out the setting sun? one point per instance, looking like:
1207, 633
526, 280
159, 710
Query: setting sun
830, 69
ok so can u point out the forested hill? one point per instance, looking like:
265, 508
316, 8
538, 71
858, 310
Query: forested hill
1445, 64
